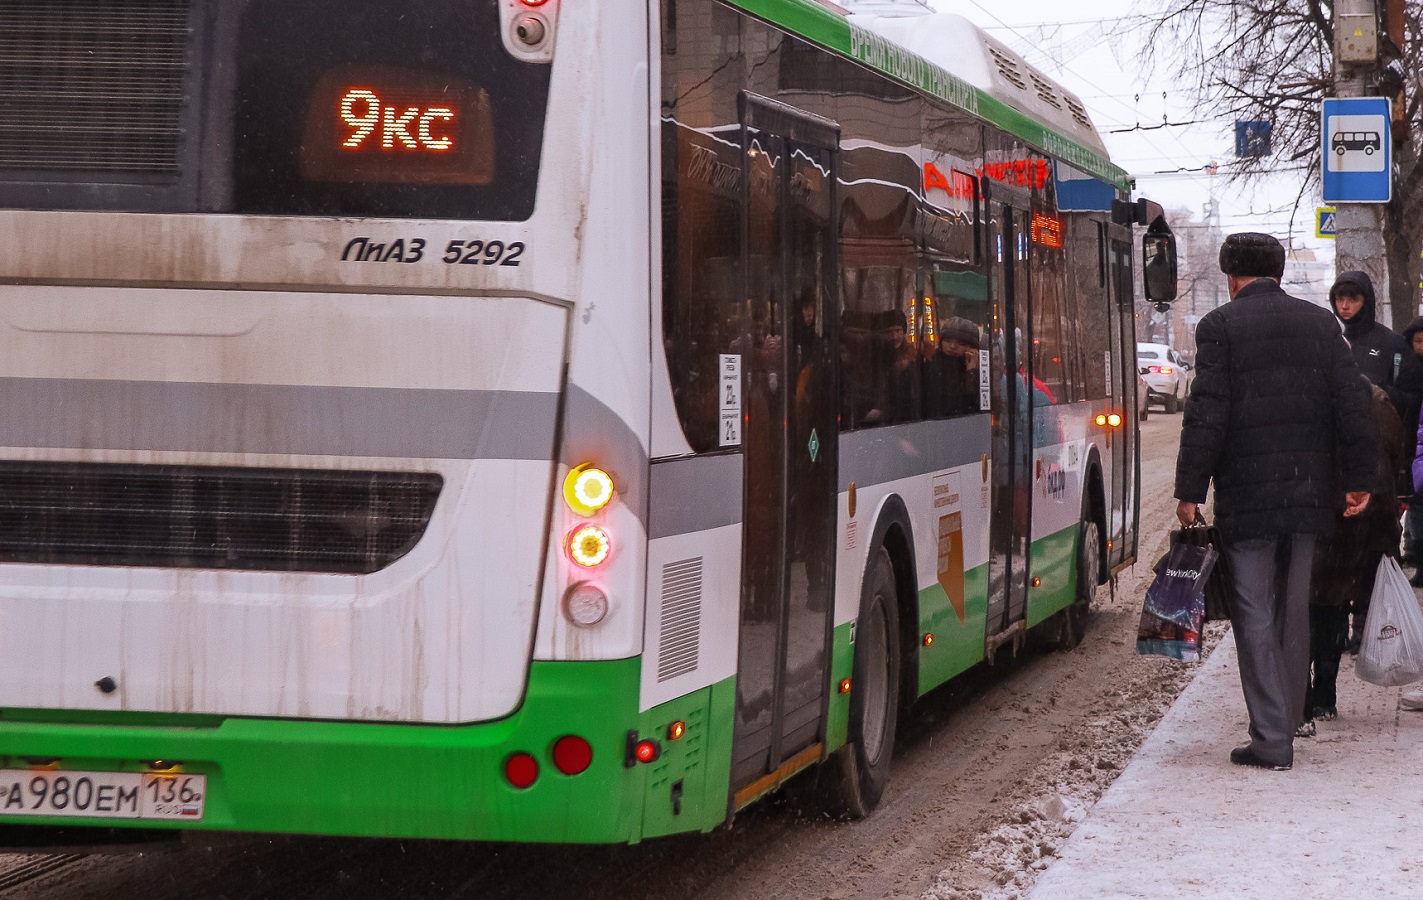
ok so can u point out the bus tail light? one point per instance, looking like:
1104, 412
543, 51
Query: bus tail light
587, 489
589, 546
585, 604
572, 755
521, 770
641, 750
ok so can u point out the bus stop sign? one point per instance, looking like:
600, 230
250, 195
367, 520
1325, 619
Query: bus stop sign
1358, 150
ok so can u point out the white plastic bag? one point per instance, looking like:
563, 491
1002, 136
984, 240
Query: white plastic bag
1391, 652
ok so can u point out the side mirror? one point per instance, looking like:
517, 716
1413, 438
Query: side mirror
1158, 272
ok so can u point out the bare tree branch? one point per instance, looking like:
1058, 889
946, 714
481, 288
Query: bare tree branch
1273, 60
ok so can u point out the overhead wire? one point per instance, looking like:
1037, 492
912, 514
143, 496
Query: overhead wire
1205, 171
1063, 66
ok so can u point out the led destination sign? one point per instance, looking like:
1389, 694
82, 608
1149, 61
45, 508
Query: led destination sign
363, 113
388, 126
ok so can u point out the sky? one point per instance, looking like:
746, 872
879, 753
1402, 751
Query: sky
1088, 49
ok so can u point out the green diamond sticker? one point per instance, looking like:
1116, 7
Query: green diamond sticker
814, 445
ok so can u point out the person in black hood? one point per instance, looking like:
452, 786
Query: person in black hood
1382, 354
1388, 361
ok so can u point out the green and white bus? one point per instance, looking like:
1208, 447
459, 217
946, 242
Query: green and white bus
533, 420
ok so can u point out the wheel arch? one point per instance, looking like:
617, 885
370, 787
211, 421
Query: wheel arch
894, 531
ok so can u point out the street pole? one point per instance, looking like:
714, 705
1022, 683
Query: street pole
1358, 243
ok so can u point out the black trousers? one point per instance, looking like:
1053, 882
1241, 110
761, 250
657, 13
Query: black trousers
1328, 635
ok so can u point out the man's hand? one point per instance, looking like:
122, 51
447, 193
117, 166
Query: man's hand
1355, 502
1186, 511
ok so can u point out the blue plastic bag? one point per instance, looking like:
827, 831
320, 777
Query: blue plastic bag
1175, 604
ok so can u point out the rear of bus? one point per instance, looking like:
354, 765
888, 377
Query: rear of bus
308, 309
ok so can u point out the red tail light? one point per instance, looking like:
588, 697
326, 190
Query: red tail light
572, 755
521, 770
1159, 370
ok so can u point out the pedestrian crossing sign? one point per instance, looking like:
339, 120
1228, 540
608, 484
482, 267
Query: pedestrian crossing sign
1324, 222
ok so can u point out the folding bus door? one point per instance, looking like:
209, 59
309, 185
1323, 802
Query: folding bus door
789, 439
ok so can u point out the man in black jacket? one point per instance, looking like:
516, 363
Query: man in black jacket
1276, 402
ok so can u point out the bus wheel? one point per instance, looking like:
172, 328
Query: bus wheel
1072, 620
863, 763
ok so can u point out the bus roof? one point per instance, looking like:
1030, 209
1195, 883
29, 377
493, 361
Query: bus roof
950, 58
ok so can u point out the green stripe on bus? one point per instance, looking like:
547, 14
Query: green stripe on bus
424, 781
842, 665
1054, 560
958, 645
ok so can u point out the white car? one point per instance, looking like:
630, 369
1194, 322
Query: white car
1167, 375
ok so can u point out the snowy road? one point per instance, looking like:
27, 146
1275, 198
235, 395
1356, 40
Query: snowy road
990, 775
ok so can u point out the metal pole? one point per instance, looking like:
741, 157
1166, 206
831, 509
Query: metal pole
1358, 243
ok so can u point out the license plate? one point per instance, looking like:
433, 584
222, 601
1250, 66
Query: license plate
110, 795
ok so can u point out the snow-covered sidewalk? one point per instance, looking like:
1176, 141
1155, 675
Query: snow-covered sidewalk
1181, 821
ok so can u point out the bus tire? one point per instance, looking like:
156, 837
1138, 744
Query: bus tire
1072, 619
863, 763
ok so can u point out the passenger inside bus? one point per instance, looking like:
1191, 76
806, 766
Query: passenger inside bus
951, 374
900, 385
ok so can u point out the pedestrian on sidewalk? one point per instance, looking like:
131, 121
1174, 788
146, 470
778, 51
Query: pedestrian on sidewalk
1278, 419
1413, 518
1388, 360
1413, 698
1347, 563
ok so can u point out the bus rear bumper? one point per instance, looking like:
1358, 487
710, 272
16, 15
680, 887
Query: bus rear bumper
417, 781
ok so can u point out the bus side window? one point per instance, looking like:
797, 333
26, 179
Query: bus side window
951, 372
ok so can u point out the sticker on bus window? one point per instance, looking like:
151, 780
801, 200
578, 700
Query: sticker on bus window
730, 389
985, 394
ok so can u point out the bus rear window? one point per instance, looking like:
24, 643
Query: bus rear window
277, 107
366, 109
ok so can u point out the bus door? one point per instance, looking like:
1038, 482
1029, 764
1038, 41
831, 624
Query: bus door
1012, 385
1121, 505
790, 436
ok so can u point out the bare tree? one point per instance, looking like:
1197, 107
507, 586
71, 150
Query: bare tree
1273, 60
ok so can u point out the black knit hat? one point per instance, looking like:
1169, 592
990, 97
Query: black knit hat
1250, 254
959, 329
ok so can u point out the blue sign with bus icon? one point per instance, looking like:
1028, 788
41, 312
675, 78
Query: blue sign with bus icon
1358, 150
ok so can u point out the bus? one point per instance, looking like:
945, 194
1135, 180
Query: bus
534, 420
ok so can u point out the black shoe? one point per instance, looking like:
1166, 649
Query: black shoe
1305, 729
1327, 713
1244, 756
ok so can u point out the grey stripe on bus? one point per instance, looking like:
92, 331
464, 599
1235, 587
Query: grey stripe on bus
280, 419
878, 455
696, 494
